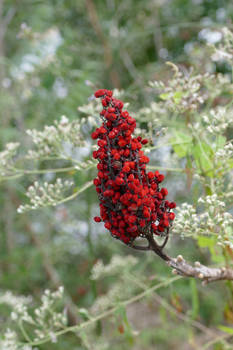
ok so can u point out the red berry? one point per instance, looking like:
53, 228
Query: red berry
142, 223
172, 216
164, 191
160, 178
131, 177
122, 143
97, 219
150, 175
95, 154
102, 130
172, 205
95, 135
119, 181
107, 225
100, 93
132, 219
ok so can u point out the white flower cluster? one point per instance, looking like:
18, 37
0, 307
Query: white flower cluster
152, 112
10, 299
221, 84
45, 195
21, 313
186, 223
224, 51
150, 115
184, 91
45, 320
6, 158
224, 161
10, 341
51, 141
218, 120
93, 108
121, 288
225, 153
116, 293
116, 265
19, 305
213, 220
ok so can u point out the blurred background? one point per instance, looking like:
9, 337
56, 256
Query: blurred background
53, 54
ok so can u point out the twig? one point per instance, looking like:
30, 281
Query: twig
206, 274
215, 340
127, 61
43, 171
75, 194
172, 310
156, 248
152, 167
185, 269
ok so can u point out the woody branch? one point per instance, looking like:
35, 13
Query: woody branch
182, 267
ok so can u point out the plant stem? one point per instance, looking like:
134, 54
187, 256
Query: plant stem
183, 268
108, 312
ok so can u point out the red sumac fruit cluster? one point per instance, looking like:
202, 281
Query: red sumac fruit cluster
132, 202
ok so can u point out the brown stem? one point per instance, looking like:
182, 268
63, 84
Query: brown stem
206, 274
157, 249
164, 242
108, 56
185, 269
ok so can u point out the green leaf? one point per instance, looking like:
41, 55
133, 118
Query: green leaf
210, 243
230, 163
121, 311
226, 329
220, 142
182, 143
177, 96
164, 96
128, 332
203, 155
84, 313
206, 242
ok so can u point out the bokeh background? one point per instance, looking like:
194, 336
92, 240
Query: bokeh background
53, 54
